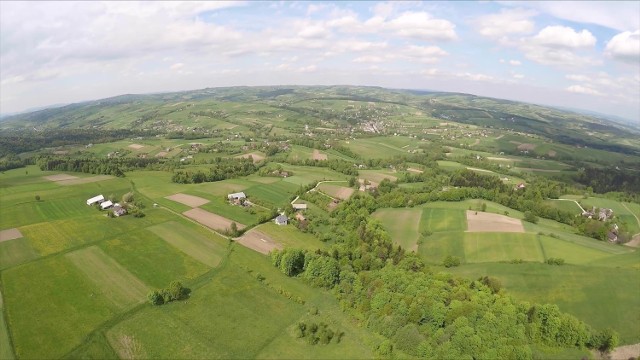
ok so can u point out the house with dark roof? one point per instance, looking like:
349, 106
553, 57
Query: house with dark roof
282, 220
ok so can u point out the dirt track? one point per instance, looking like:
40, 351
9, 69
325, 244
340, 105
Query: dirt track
488, 222
85, 180
256, 157
211, 220
318, 156
188, 200
10, 234
415, 170
255, 240
136, 146
60, 177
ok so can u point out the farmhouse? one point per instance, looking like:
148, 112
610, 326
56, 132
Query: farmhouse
282, 220
119, 210
236, 196
95, 199
106, 204
299, 206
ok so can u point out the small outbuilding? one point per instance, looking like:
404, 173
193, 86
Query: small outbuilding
106, 204
299, 206
95, 199
282, 220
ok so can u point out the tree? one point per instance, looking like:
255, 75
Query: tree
128, 197
451, 261
322, 271
530, 217
292, 262
234, 229
155, 298
37, 197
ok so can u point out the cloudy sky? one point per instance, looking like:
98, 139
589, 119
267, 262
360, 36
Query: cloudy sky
573, 54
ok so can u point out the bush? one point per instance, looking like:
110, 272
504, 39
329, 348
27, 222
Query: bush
530, 217
555, 261
451, 261
155, 298
175, 291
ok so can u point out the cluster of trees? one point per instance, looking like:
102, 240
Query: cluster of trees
421, 312
19, 141
175, 291
316, 333
221, 169
91, 165
604, 180
338, 165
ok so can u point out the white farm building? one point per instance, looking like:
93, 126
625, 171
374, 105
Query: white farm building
105, 205
95, 199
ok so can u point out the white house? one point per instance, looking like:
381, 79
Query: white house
105, 205
237, 196
95, 199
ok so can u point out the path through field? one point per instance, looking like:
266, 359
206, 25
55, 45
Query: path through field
632, 213
577, 203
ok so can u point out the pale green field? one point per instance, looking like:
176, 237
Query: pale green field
193, 243
402, 224
115, 282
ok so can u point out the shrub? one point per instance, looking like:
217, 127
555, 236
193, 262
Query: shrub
555, 261
451, 261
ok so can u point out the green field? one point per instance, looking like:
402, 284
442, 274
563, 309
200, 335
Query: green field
575, 289
402, 224
436, 220
562, 205
116, 283
193, 243
54, 294
290, 236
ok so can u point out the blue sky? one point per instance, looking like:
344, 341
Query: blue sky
573, 54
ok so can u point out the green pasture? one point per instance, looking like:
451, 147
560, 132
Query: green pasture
311, 174
208, 249
275, 194
598, 296
334, 189
377, 175
436, 247
562, 205
116, 283
15, 252
6, 351
152, 259
290, 236
236, 316
436, 220
571, 252
60, 299
243, 215
495, 247
402, 224
374, 148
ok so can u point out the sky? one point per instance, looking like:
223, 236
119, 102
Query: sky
583, 55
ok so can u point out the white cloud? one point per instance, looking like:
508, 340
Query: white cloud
176, 66
579, 89
619, 15
625, 47
369, 59
515, 63
565, 37
306, 69
424, 53
506, 22
518, 76
422, 25
577, 77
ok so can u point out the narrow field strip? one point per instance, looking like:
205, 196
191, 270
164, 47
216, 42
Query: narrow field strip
84, 180
6, 351
190, 242
117, 284
189, 200
211, 220
10, 234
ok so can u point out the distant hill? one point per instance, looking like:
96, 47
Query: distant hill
146, 111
